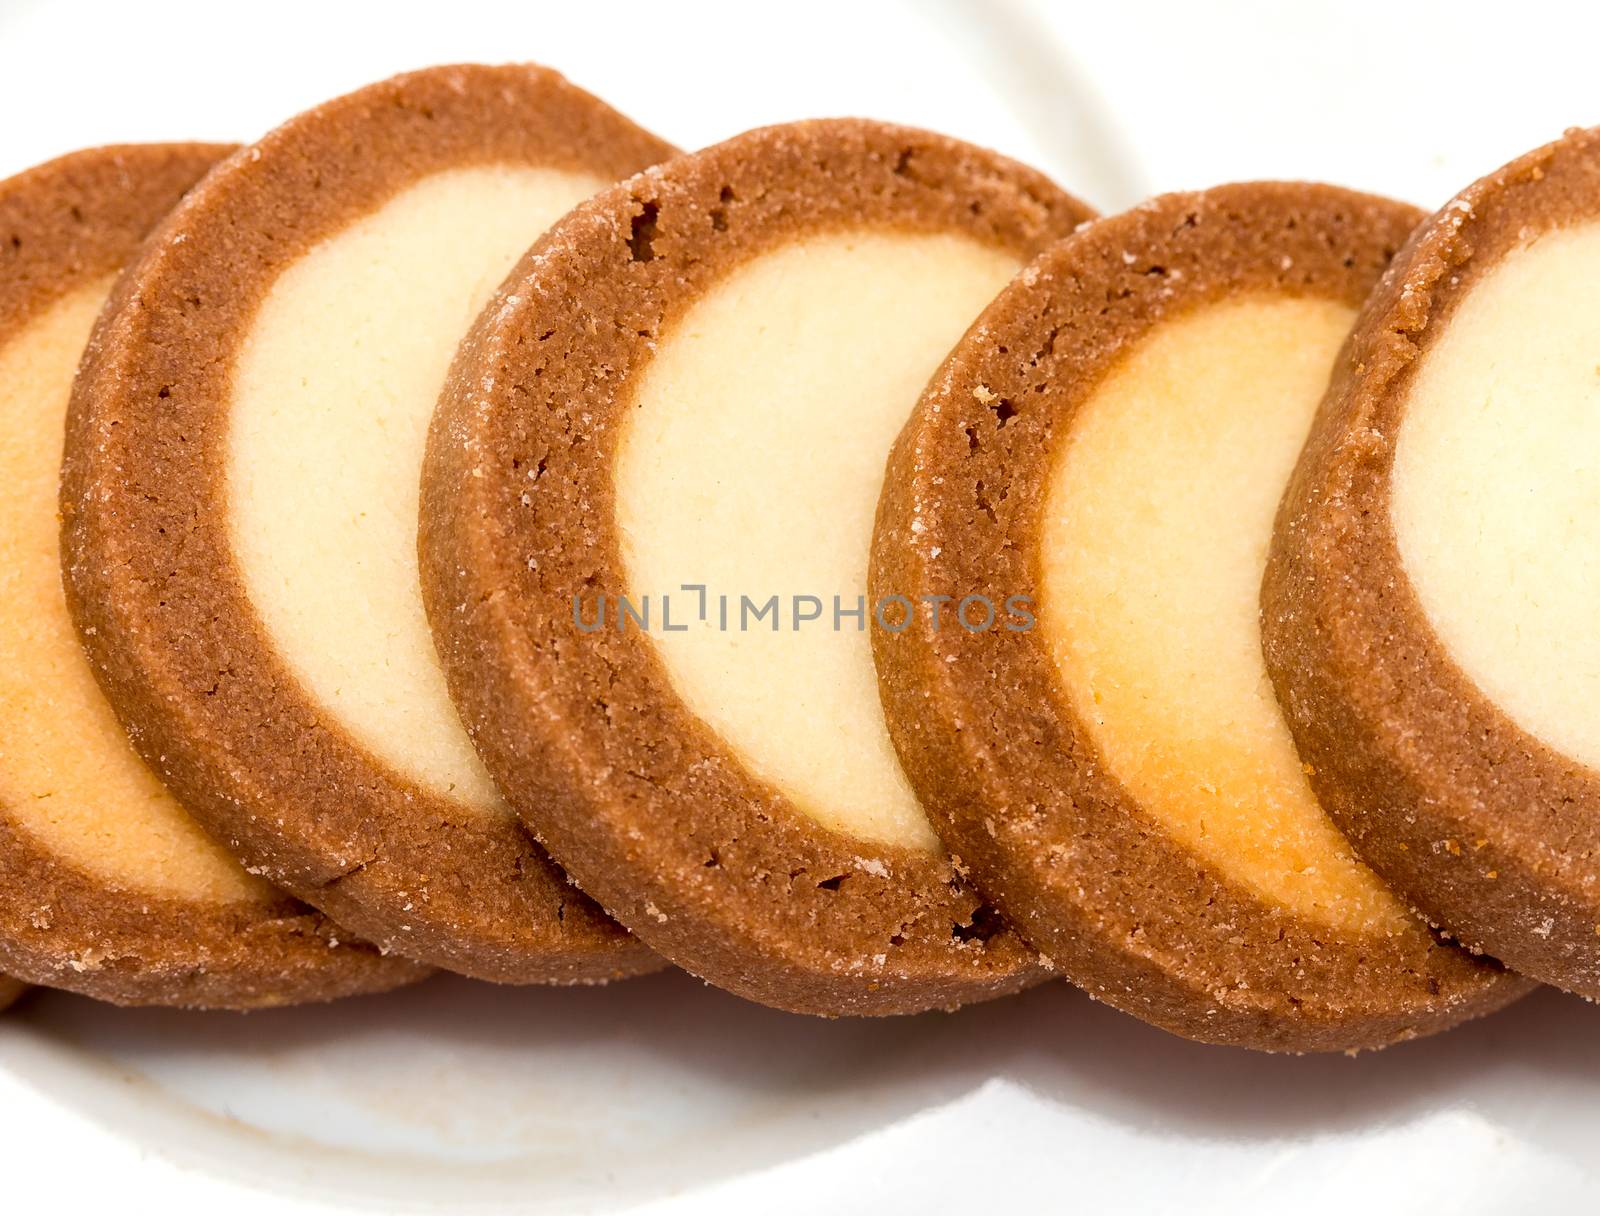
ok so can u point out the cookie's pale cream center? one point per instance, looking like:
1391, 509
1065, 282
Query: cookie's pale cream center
751, 464
68, 776
332, 393
1495, 499
1157, 522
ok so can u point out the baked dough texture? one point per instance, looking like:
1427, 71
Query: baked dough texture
349, 309
734, 467
1428, 607
107, 886
1495, 495
240, 502
1110, 441
693, 379
1153, 533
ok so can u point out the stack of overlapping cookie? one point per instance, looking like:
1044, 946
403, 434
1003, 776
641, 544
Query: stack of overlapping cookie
841, 551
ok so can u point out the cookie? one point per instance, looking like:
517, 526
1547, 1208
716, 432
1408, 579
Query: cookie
1428, 607
107, 887
240, 503
10, 990
679, 407
1103, 453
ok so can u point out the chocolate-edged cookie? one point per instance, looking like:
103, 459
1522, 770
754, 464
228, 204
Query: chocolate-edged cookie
1103, 452
646, 512
240, 500
1429, 604
107, 887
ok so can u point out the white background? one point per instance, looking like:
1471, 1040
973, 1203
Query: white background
662, 1093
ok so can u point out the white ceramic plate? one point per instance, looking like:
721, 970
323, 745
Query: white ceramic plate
667, 1094
664, 1095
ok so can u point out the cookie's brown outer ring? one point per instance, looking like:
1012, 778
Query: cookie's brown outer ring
987, 736
152, 582
653, 814
1490, 832
10, 990
63, 226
